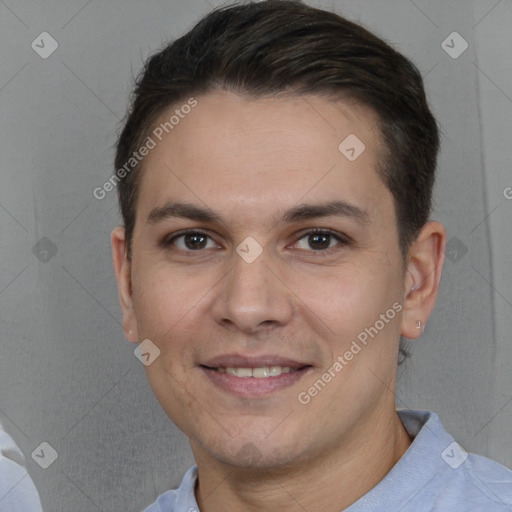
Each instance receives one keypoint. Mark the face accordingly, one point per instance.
(260, 246)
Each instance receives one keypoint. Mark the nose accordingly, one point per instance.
(253, 296)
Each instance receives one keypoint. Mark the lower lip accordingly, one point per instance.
(252, 386)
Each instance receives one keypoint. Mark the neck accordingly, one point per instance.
(328, 483)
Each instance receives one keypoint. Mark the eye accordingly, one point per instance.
(321, 240)
(189, 240)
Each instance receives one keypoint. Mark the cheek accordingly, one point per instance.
(346, 300)
(161, 299)
(340, 293)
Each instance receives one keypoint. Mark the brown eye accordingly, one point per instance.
(321, 240)
(189, 241)
(194, 241)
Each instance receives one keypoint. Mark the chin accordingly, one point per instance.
(248, 452)
(254, 457)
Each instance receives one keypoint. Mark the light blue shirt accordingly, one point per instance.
(434, 475)
(17, 491)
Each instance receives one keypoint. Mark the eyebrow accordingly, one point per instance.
(300, 212)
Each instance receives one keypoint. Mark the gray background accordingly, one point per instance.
(68, 377)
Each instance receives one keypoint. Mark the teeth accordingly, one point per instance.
(277, 370)
(259, 373)
(240, 372)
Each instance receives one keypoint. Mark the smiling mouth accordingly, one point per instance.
(255, 380)
(262, 372)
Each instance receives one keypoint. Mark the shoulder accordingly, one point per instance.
(489, 482)
(440, 475)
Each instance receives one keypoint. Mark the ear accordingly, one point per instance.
(122, 267)
(423, 274)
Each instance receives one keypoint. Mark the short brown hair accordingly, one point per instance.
(283, 46)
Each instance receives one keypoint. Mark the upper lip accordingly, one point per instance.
(241, 361)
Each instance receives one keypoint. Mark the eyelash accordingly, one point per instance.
(343, 240)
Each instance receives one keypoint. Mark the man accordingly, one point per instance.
(275, 176)
(17, 491)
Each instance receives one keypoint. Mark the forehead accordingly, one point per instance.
(236, 153)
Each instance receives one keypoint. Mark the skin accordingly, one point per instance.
(249, 161)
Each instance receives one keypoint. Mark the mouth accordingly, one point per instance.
(261, 372)
(246, 377)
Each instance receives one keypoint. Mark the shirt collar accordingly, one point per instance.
(185, 498)
(411, 474)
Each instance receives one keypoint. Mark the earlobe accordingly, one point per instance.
(422, 279)
(122, 267)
